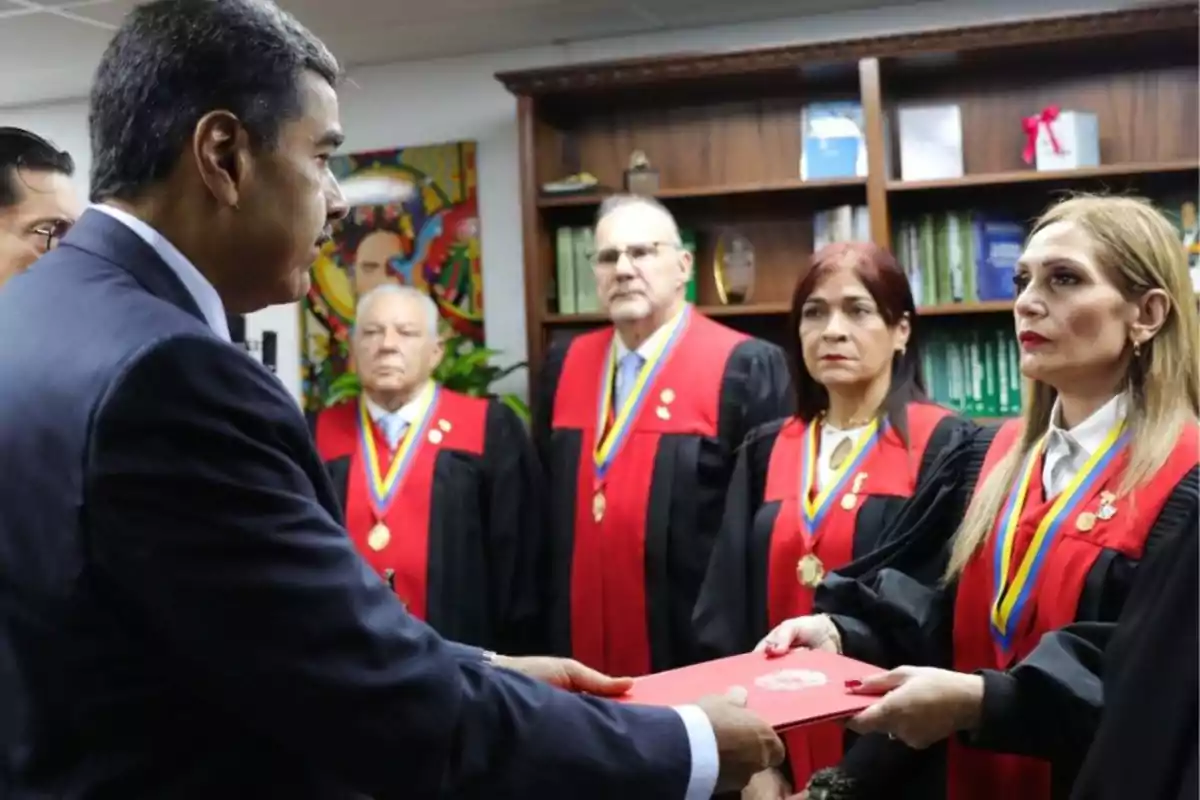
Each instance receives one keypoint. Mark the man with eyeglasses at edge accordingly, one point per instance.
(38, 204)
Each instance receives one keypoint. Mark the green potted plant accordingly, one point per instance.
(466, 368)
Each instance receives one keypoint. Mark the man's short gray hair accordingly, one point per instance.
(617, 201)
(431, 309)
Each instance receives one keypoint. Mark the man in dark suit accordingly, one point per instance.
(181, 613)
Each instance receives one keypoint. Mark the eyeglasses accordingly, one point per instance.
(638, 254)
(50, 233)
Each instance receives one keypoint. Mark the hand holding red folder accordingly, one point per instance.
(802, 687)
(745, 744)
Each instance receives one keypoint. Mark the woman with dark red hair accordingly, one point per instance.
(822, 490)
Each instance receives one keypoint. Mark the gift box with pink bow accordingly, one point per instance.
(1057, 139)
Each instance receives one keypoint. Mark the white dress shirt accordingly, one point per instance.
(198, 287)
(705, 760)
(647, 348)
(1067, 451)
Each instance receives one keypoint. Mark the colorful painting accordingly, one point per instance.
(414, 220)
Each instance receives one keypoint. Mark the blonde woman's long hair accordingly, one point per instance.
(1139, 249)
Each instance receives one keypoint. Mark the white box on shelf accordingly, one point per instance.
(931, 146)
(1077, 136)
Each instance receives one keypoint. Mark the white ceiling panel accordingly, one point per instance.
(107, 13)
(52, 46)
(390, 37)
(33, 44)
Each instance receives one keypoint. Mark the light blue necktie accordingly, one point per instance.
(627, 372)
(393, 426)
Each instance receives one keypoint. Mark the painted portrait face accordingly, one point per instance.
(371, 260)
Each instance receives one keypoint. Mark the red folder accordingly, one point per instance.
(803, 687)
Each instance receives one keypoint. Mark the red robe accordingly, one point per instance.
(756, 579)
(624, 582)
(1053, 593)
(464, 513)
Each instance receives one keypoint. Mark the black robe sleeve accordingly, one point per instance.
(515, 532)
(891, 607)
(1146, 744)
(757, 389)
(723, 618)
(1049, 704)
(542, 399)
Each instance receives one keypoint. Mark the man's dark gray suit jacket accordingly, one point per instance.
(181, 613)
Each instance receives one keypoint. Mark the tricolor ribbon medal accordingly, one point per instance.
(1013, 589)
(609, 444)
(814, 509)
(382, 485)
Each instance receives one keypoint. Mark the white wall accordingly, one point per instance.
(436, 101)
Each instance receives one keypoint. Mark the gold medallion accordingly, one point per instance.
(810, 571)
(859, 480)
(663, 412)
(1085, 521)
(841, 453)
(598, 506)
(379, 537)
(444, 424)
(435, 436)
(849, 499)
(667, 396)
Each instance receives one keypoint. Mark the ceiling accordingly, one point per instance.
(54, 45)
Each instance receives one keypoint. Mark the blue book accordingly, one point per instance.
(832, 141)
(997, 246)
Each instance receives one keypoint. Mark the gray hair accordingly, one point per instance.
(431, 309)
(617, 201)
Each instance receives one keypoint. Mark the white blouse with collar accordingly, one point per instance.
(1067, 451)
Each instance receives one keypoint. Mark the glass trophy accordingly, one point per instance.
(733, 268)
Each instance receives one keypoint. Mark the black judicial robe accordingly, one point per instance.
(1083, 569)
(766, 561)
(629, 542)
(1147, 744)
(1143, 672)
(462, 515)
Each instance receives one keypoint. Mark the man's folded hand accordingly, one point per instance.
(745, 744)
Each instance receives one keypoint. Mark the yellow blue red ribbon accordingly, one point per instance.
(608, 445)
(1011, 598)
(382, 486)
(814, 509)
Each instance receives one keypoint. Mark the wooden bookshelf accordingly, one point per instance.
(723, 130)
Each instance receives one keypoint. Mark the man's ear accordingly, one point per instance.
(221, 148)
(687, 264)
(439, 352)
